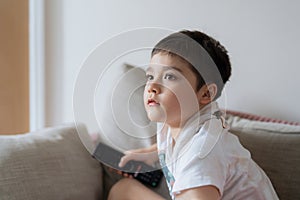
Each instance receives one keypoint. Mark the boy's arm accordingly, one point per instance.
(147, 155)
(201, 193)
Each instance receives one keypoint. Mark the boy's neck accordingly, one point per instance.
(175, 129)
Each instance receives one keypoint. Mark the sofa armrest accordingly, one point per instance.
(49, 164)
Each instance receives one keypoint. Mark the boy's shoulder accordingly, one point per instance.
(201, 143)
(208, 136)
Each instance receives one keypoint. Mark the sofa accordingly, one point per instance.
(54, 163)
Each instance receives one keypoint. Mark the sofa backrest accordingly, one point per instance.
(275, 147)
(122, 119)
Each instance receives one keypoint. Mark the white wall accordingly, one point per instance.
(261, 37)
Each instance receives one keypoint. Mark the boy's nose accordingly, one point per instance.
(153, 88)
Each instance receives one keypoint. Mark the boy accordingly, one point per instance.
(199, 157)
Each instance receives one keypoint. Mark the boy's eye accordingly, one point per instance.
(149, 77)
(170, 77)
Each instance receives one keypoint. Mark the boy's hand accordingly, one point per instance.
(124, 174)
(146, 155)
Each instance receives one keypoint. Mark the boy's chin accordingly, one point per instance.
(154, 117)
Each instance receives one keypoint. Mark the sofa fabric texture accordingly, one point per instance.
(48, 164)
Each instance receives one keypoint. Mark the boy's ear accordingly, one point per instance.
(207, 93)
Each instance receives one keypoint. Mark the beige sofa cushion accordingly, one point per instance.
(276, 148)
(48, 164)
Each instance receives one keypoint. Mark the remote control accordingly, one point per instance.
(144, 173)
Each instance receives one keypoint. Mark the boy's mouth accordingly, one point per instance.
(152, 102)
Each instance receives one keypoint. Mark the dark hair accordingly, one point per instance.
(198, 49)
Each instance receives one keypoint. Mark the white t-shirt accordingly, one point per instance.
(205, 153)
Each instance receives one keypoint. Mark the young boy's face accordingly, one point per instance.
(170, 94)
